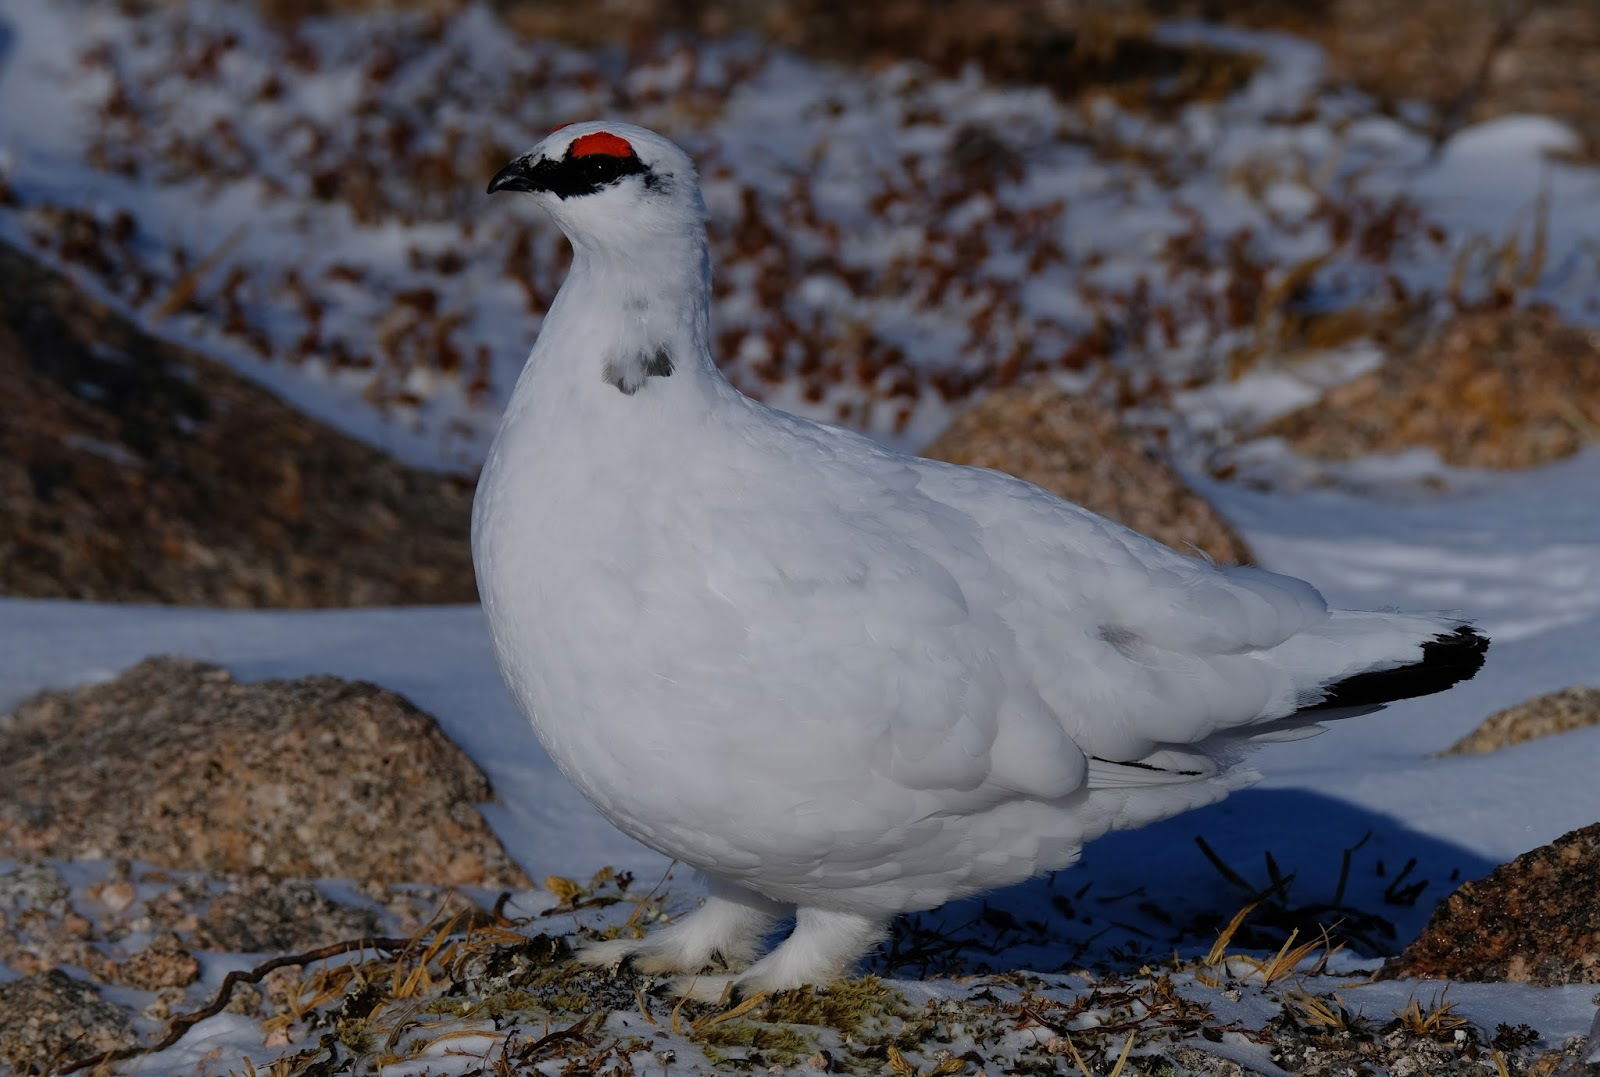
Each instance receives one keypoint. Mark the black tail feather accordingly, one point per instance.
(1447, 660)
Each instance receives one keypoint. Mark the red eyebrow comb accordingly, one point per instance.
(601, 142)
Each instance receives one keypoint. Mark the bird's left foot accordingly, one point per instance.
(821, 949)
(615, 954)
(714, 989)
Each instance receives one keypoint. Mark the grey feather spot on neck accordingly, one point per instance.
(629, 375)
(659, 365)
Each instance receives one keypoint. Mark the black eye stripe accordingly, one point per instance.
(600, 168)
(572, 176)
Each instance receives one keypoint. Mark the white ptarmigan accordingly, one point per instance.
(833, 678)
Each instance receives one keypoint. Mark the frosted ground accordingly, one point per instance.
(1091, 227)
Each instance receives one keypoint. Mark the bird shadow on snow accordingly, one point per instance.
(1309, 861)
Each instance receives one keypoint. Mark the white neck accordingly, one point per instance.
(621, 314)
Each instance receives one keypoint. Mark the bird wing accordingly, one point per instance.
(865, 603)
(998, 640)
(1134, 645)
(1154, 659)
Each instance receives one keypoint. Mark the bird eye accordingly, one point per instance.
(587, 169)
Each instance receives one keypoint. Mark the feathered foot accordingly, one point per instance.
(725, 931)
(823, 947)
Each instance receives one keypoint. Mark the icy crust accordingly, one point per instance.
(305, 202)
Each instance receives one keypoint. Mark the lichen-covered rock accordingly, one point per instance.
(50, 1019)
(1534, 920)
(1542, 716)
(265, 915)
(1496, 389)
(176, 763)
(1079, 449)
(164, 963)
(40, 929)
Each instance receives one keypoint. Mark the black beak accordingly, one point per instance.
(520, 175)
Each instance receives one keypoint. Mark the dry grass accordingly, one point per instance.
(1084, 1068)
(1322, 1012)
(1467, 59)
(1219, 965)
(1502, 274)
(400, 999)
(1076, 50)
(1434, 1020)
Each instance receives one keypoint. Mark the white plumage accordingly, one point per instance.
(831, 676)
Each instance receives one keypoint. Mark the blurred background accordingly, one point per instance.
(257, 318)
(1314, 284)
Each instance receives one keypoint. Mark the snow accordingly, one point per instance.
(1263, 395)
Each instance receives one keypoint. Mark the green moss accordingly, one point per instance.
(498, 1004)
(776, 1043)
(354, 1035)
(776, 1030)
(354, 1015)
(846, 1006)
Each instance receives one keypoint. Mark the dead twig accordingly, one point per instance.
(186, 286)
(1222, 866)
(1455, 115)
(579, 1030)
(1344, 868)
(180, 1025)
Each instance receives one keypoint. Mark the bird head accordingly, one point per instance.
(608, 184)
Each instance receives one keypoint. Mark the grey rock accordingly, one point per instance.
(176, 763)
(51, 1019)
